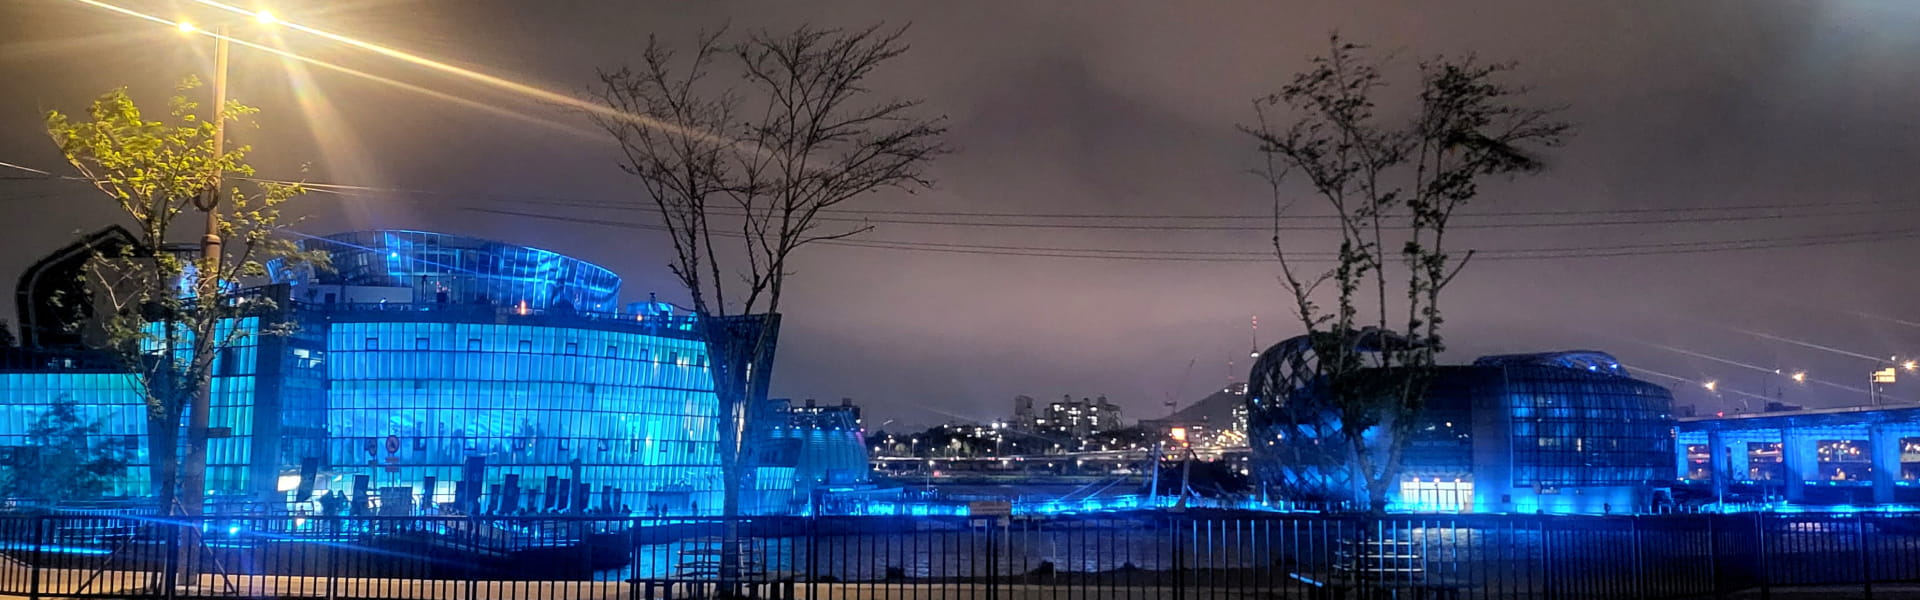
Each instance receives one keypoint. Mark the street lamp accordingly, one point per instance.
(193, 477)
(1799, 376)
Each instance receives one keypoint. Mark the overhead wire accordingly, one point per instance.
(1694, 247)
(1900, 207)
(1172, 255)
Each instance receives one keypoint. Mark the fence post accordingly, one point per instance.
(633, 557)
(334, 532)
(813, 555)
(1546, 559)
(1713, 555)
(39, 537)
(1639, 557)
(172, 579)
(1866, 566)
(1179, 562)
(473, 570)
(993, 564)
(1760, 548)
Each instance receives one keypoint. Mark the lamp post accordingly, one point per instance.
(193, 473)
(191, 495)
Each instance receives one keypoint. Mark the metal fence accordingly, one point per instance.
(1198, 555)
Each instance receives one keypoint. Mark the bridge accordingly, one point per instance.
(1089, 462)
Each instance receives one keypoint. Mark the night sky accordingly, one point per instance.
(1111, 108)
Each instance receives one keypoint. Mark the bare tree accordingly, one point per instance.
(1393, 187)
(741, 175)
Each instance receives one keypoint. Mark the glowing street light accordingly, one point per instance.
(1799, 376)
(1910, 365)
(264, 17)
(186, 27)
(1712, 386)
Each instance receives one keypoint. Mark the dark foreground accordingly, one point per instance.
(1118, 555)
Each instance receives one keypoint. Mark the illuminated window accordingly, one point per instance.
(1844, 460)
(1764, 461)
(420, 343)
(1910, 459)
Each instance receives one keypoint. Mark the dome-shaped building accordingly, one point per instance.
(1553, 432)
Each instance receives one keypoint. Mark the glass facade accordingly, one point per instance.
(1581, 428)
(510, 364)
(631, 410)
(451, 269)
(236, 385)
(112, 399)
(1534, 422)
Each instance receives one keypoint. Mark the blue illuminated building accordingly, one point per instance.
(1817, 457)
(1563, 432)
(32, 381)
(474, 374)
(820, 449)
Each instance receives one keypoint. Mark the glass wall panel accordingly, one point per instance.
(528, 403)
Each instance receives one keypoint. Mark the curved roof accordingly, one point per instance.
(460, 269)
(1585, 360)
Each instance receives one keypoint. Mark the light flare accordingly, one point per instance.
(1766, 336)
(492, 80)
(438, 95)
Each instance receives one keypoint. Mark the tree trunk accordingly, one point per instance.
(740, 357)
(193, 467)
(163, 448)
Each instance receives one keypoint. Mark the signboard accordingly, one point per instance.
(990, 508)
(1887, 375)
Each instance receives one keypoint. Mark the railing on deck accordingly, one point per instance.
(1196, 554)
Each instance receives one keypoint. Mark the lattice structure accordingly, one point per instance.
(1298, 454)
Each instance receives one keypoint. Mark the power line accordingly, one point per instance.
(1901, 207)
(634, 206)
(1666, 248)
(1669, 248)
(614, 205)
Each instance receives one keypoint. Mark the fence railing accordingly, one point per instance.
(1143, 555)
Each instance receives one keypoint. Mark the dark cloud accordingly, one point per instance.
(1112, 107)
